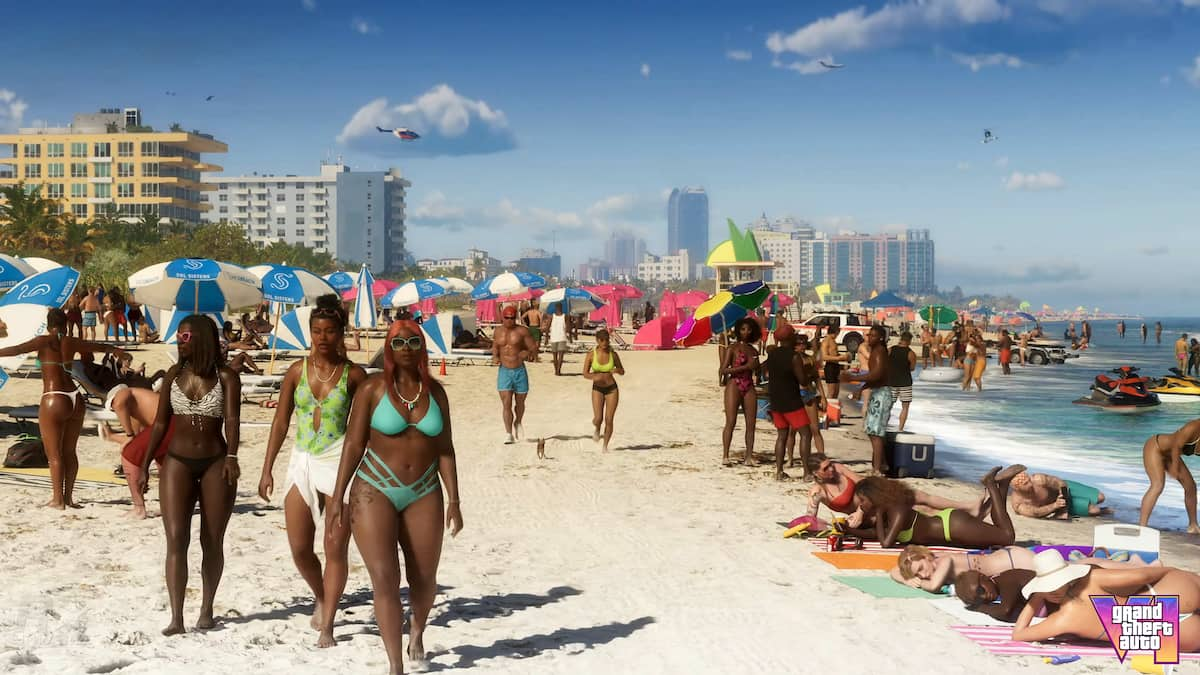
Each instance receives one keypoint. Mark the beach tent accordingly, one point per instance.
(656, 334)
(884, 300)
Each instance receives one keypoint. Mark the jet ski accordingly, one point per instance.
(1175, 388)
(1125, 393)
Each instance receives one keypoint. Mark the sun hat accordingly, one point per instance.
(1052, 572)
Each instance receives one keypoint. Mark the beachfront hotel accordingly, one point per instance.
(110, 158)
(355, 216)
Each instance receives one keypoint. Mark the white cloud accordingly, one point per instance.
(999, 279)
(1154, 250)
(645, 70)
(449, 124)
(963, 166)
(612, 213)
(856, 29)
(738, 55)
(1033, 182)
(812, 67)
(1001, 161)
(1190, 3)
(977, 62)
(309, 5)
(1192, 73)
(362, 26)
(837, 223)
(12, 110)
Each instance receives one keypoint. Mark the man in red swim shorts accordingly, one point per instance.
(1005, 345)
(785, 371)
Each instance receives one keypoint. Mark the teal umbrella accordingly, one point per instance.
(939, 315)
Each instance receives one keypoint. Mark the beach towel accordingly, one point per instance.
(822, 544)
(89, 477)
(859, 560)
(955, 608)
(882, 587)
(998, 640)
(1091, 551)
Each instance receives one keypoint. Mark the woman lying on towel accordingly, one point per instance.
(835, 484)
(1071, 587)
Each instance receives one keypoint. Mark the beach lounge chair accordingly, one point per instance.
(1122, 537)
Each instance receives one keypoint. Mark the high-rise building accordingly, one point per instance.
(540, 261)
(687, 226)
(108, 160)
(665, 267)
(918, 263)
(595, 271)
(862, 263)
(785, 242)
(355, 216)
(624, 250)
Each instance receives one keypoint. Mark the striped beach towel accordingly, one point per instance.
(998, 640)
(822, 544)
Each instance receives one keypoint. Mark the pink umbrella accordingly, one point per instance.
(485, 311)
(378, 289)
(690, 299)
(784, 299)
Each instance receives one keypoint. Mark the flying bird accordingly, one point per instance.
(831, 65)
(988, 136)
(400, 132)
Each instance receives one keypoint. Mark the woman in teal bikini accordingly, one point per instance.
(398, 446)
(320, 389)
(60, 412)
(605, 395)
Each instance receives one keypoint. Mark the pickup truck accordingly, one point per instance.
(850, 329)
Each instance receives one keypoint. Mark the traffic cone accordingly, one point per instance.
(442, 369)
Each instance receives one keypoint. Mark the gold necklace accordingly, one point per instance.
(317, 370)
(411, 405)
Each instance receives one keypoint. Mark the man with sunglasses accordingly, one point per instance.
(512, 346)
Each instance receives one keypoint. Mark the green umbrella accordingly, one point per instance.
(1024, 306)
(939, 314)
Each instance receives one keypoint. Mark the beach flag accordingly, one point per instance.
(823, 292)
(974, 303)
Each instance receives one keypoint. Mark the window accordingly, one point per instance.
(150, 148)
(78, 190)
(299, 186)
(125, 149)
(125, 169)
(125, 190)
(103, 190)
(281, 186)
(281, 233)
(299, 208)
(299, 221)
(54, 149)
(149, 169)
(54, 191)
(368, 206)
(78, 169)
(222, 197)
(261, 221)
(319, 221)
(223, 209)
(300, 233)
(368, 219)
(79, 149)
(223, 186)
(80, 210)
(242, 186)
(150, 189)
(33, 170)
(281, 197)
(104, 171)
(281, 221)
(101, 150)
(54, 170)
(318, 209)
(260, 209)
(33, 150)
(262, 186)
(243, 209)
(368, 231)
(320, 186)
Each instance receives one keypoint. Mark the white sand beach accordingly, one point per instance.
(649, 559)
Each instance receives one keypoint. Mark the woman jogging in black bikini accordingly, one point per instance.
(737, 371)
(61, 410)
(601, 366)
(203, 397)
(1163, 454)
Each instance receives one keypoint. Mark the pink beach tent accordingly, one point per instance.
(656, 334)
(379, 289)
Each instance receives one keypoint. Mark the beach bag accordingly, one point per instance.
(27, 453)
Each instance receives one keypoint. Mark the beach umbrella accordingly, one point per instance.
(750, 295)
(47, 289)
(718, 314)
(454, 285)
(938, 314)
(778, 301)
(291, 285)
(575, 299)
(690, 299)
(507, 283)
(1026, 316)
(198, 283)
(341, 281)
(413, 292)
(25, 322)
(525, 295)
(365, 314)
(13, 270)
(1024, 306)
(292, 330)
(41, 264)
(886, 299)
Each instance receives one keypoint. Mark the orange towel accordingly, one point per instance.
(860, 560)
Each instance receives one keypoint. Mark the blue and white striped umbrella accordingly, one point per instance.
(13, 270)
(365, 314)
(198, 284)
(170, 335)
(412, 292)
(40, 264)
(507, 283)
(48, 289)
(576, 300)
(454, 285)
(293, 331)
(341, 281)
(25, 322)
(291, 285)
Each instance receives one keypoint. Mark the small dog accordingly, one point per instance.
(541, 448)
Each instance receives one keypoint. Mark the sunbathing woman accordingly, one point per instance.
(61, 409)
(999, 597)
(403, 415)
(202, 397)
(320, 389)
(891, 503)
(835, 484)
(1072, 587)
(605, 395)
(737, 373)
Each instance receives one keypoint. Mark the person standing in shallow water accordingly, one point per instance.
(1158, 332)
(1143, 333)
(1163, 455)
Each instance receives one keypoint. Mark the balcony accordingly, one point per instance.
(100, 179)
(100, 160)
(260, 202)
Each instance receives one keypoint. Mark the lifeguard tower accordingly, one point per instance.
(737, 260)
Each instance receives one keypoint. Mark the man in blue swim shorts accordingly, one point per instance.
(879, 402)
(512, 345)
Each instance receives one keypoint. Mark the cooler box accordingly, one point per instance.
(764, 409)
(909, 455)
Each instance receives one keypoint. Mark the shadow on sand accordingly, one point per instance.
(491, 606)
(534, 645)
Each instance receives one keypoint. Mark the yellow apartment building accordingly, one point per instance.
(107, 158)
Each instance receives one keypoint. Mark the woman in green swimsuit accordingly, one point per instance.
(319, 389)
(891, 502)
(398, 446)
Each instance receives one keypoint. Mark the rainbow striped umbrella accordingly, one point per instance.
(718, 314)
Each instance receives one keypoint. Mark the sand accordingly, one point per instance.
(649, 559)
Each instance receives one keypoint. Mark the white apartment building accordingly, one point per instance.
(664, 267)
(490, 266)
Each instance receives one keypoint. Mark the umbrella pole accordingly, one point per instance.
(196, 284)
(274, 341)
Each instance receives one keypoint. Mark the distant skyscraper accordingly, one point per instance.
(687, 225)
(862, 263)
(624, 250)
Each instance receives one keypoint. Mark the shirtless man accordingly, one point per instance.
(833, 364)
(512, 344)
(1121, 329)
(1158, 332)
(879, 403)
(926, 346)
(533, 319)
(1162, 455)
(1181, 352)
(1039, 495)
(91, 314)
(1143, 333)
(935, 340)
(1005, 346)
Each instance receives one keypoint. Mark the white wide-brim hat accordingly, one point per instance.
(1053, 572)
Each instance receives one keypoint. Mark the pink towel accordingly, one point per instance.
(998, 640)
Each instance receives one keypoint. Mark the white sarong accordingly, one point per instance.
(314, 475)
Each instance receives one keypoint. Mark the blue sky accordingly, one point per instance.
(566, 122)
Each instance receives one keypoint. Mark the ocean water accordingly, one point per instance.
(1029, 418)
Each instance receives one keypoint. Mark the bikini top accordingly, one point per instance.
(334, 409)
(387, 420)
(212, 404)
(845, 500)
(598, 367)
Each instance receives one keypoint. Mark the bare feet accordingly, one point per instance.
(416, 652)
(596, 434)
(781, 476)
(604, 448)
(979, 508)
(749, 459)
(541, 448)
(176, 628)
(315, 621)
(1008, 474)
(206, 619)
(136, 514)
(71, 503)
(1193, 529)
(518, 431)
(326, 640)
(990, 475)
(56, 505)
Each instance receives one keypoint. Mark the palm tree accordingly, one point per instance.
(24, 216)
(75, 242)
(478, 268)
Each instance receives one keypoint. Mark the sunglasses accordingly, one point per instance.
(184, 337)
(410, 343)
(510, 318)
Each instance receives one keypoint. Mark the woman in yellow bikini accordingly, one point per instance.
(601, 366)
(1162, 455)
(61, 410)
